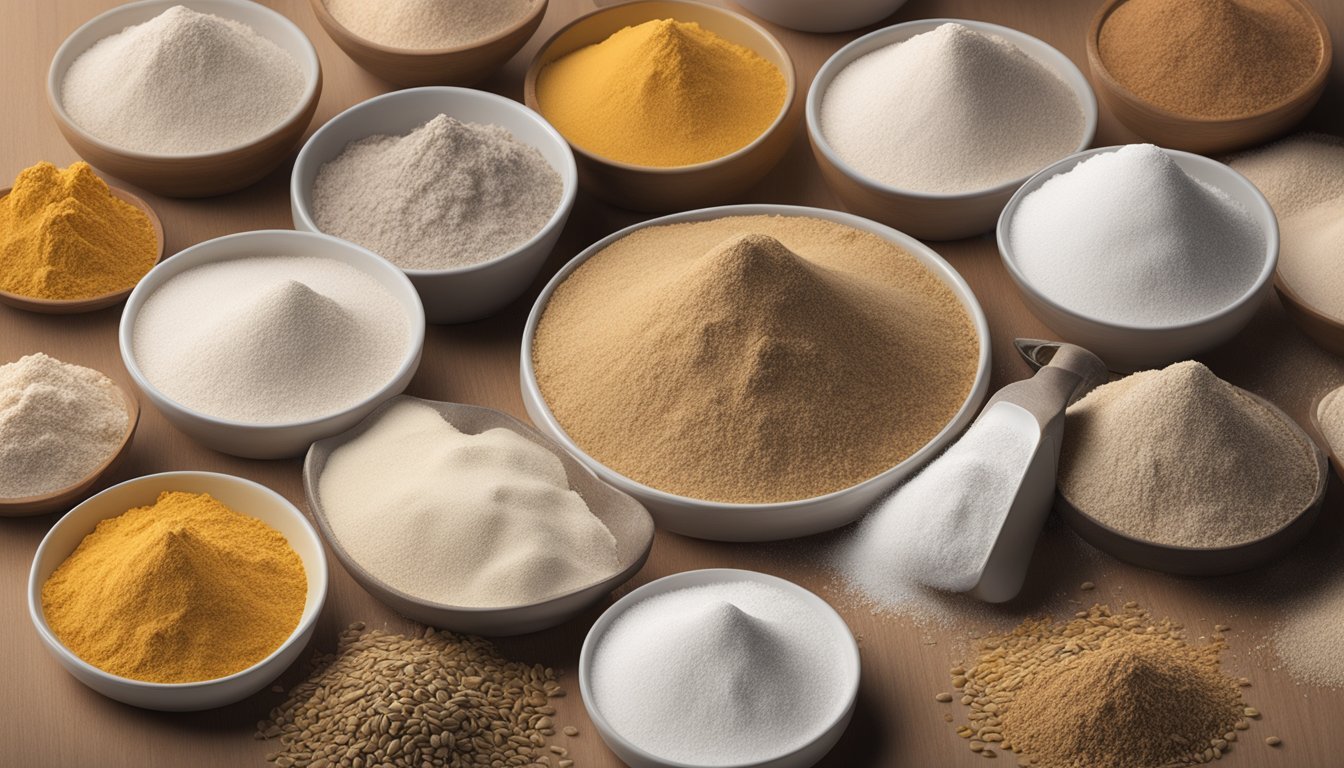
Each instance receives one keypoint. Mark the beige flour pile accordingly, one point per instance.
(1309, 642)
(753, 359)
(1181, 457)
(1303, 179)
(429, 24)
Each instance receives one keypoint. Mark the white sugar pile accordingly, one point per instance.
(448, 194)
(482, 521)
(428, 24)
(270, 339)
(721, 674)
(58, 423)
(1129, 237)
(937, 530)
(948, 111)
(180, 83)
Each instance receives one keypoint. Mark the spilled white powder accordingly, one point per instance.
(182, 82)
(948, 111)
(270, 339)
(938, 529)
(429, 23)
(1129, 237)
(720, 674)
(482, 521)
(58, 423)
(447, 194)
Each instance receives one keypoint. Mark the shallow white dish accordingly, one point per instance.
(628, 522)
(724, 521)
(242, 496)
(631, 755)
(460, 294)
(926, 215)
(814, 16)
(1132, 347)
(272, 441)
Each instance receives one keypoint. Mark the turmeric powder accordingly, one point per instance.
(64, 235)
(182, 591)
(663, 93)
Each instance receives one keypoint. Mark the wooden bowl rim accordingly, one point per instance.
(71, 306)
(790, 90)
(1322, 482)
(132, 421)
(329, 21)
(298, 117)
(1294, 298)
(1312, 84)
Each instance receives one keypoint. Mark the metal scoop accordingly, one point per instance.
(1064, 373)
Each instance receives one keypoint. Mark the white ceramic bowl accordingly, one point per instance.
(724, 521)
(814, 16)
(628, 522)
(927, 215)
(272, 441)
(242, 496)
(805, 756)
(464, 293)
(1135, 347)
(201, 173)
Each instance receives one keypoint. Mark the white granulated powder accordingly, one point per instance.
(429, 23)
(1129, 237)
(448, 194)
(721, 674)
(270, 339)
(180, 83)
(58, 423)
(949, 111)
(938, 529)
(482, 521)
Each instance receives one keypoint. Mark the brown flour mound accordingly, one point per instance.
(1210, 58)
(753, 359)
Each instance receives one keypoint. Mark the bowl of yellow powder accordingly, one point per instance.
(70, 243)
(668, 105)
(178, 591)
(755, 372)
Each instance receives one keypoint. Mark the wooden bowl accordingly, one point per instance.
(75, 306)
(1326, 331)
(67, 497)
(1318, 432)
(931, 215)
(199, 174)
(461, 65)
(627, 520)
(1207, 135)
(662, 190)
(1204, 561)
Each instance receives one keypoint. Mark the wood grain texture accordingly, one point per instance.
(51, 720)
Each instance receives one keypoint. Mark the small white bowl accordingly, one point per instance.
(273, 441)
(1125, 347)
(723, 521)
(460, 294)
(812, 16)
(929, 215)
(628, 522)
(197, 174)
(803, 757)
(242, 496)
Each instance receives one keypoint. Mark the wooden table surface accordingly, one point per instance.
(52, 720)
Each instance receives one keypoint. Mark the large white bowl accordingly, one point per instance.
(273, 441)
(460, 294)
(242, 496)
(723, 521)
(196, 174)
(929, 215)
(814, 16)
(803, 757)
(1134, 347)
